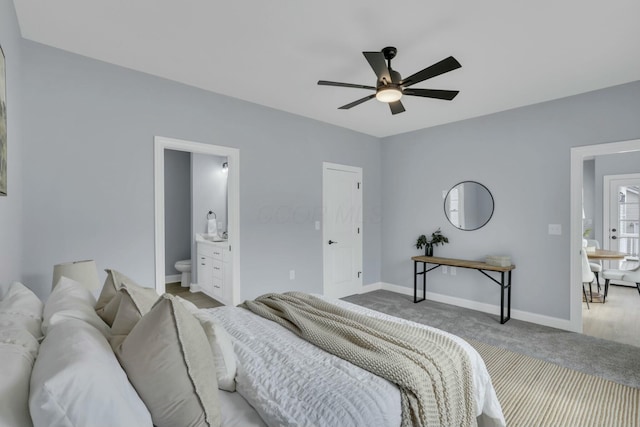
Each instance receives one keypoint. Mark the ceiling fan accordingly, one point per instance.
(390, 87)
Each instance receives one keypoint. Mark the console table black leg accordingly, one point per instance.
(424, 281)
(502, 297)
(415, 281)
(509, 298)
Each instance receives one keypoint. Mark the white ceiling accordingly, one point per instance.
(513, 52)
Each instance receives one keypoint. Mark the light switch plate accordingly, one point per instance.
(555, 229)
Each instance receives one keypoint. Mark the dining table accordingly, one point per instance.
(604, 254)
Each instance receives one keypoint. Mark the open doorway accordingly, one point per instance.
(231, 216)
(578, 157)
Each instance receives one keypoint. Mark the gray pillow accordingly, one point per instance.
(168, 360)
(109, 300)
(112, 283)
(132, 303)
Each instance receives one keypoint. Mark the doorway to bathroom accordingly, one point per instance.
(209, 174)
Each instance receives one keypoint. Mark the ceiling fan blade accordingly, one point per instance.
(444, 66)
(379, 65)
(358, 102)
(327, 83)
(396, 107)
(432, 93)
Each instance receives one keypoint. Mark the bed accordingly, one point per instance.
(131, 358)
(261, 345)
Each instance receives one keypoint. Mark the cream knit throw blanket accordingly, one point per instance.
(432, 372)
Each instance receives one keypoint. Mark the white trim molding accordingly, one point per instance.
(371, 287)
(578, 155)
(173, 278)
(526, 316)
(233, 191)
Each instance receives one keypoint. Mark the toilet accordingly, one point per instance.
(184, 267)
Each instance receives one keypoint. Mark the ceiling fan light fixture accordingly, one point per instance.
(389, 94)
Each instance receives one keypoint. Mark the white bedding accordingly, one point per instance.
(236, 412)
(290, 382)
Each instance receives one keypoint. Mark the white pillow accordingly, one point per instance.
(168, 360)
(18, 350)
(77, 382)
(223, 355)
(21, 299)
(71, 300)
(25, 322)
(20, 308)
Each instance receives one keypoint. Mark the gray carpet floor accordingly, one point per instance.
(607, 359)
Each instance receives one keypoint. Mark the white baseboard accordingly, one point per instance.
(371, 287)
(194, 287)
(173, 278)
(526, 316)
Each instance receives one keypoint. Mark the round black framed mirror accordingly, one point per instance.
(469, 205)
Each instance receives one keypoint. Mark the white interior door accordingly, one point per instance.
(342, 229)
(622, 213)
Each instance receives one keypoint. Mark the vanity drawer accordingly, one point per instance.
(212, 251)
(216, 266)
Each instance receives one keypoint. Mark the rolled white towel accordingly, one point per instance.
(212, 227)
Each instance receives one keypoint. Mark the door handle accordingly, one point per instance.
(614, 237)
(331, 242)
(613, 230)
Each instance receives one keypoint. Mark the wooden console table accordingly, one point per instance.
(475, 265)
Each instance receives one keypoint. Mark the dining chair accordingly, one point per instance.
(626, 275)
(596, 266)
(587, 277)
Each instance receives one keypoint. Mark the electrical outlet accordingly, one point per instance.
(444, 269)
(292, 274)
(453, 271)
(555, 229)
(317, 225)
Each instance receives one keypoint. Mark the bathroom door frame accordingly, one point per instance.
(233, 193)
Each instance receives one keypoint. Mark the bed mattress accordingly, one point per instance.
(290, 382)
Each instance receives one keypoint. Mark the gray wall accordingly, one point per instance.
(177, 208)
(523, 157)
(83, 167)
(11, 205)
(209, 189)
(612, 164)
(88, 172)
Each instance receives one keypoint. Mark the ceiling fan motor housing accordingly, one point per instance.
(395, 77)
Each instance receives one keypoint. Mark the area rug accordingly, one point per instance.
(534, 392)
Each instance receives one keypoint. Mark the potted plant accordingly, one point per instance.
(437, 238)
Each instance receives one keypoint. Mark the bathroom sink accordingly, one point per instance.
(212, 238)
